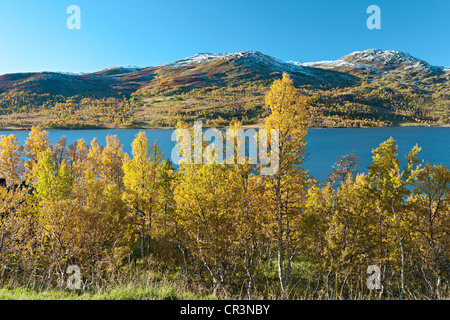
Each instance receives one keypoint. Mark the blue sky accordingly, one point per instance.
(34, 36)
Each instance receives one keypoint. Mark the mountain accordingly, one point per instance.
(221, 70)
(364, 88)
(375, 61)
(58, 83)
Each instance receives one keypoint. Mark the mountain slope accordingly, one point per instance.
(58, 83)
(375, 61)
(365, 88)
(211, 70)
(198, 71)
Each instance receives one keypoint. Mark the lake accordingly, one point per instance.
(323, 145)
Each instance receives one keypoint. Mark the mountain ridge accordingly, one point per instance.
(204, 57)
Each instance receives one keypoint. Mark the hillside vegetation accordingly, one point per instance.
(367, 88)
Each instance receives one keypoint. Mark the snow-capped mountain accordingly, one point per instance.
(340, 65)
(257, 64)
(391, 61)
(123, 68)
(378, 61)
(195, 59)
(251, 59)
(258, 60)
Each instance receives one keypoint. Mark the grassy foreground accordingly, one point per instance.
(128, 292)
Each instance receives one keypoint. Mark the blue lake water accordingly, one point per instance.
(323, 145)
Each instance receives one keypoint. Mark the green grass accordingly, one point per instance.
(415, 124)
(131, 292)
(144, 285)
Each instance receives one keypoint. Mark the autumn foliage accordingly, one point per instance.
(226, 228)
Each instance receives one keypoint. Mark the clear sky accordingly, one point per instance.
(34, 35)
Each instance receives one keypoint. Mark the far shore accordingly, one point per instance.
(250, 126)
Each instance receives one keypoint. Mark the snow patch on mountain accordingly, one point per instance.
(251, 59)
(258, 60)
(67, 78)
(390, 61)
(195, 59)
(335, 65)
(379, 55)
(71, 73)
(60, 76)
(123, 68)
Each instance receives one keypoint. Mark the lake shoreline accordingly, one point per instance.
(252, 126)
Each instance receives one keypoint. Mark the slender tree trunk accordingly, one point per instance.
(280, 243)
(438, 287)
(2, 239)
(382, 278)
(288, 254)
(142, 242)
(402, 251)
(330, 296)
(402, 292)
(438, 280)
